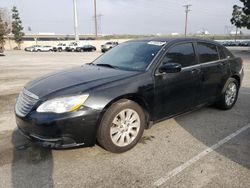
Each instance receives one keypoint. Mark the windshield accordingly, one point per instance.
(135, 55)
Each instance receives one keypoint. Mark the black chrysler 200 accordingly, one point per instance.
(125, 91)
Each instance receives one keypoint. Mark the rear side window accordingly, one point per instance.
(207, 52)
(224, 53)
(182, 54)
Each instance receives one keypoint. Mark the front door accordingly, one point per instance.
(176, 92)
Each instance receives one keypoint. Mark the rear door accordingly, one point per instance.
(176, 92)
(214, 71)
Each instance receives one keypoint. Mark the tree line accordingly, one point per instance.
(13, 26)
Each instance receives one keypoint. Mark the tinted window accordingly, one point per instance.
(207, 52)
(227, 52)
(182, 54)
(222, 53)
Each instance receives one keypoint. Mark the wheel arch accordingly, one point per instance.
(135, 98)
(237, 77)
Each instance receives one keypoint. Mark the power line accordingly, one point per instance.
(186, 20)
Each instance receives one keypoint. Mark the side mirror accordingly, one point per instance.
(170, 68)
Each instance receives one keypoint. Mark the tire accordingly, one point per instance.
(60, 50)
(230, 95)
(117, 137)
(38, 50)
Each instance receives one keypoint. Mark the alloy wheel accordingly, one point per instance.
(231, 93)
(125, 127)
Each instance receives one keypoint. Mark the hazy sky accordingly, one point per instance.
(124, 16)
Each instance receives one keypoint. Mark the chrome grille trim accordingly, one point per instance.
(25, 102)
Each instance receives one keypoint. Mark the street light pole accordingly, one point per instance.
(186, 20)
(96, 34)
(75, 21)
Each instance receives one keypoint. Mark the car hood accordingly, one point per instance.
(87, 77)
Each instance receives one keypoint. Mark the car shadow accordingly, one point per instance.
(210, 125)
(32, 166)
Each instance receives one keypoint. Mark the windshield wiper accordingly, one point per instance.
(91, 63)
(106, 65)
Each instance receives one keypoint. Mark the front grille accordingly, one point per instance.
(25, 102)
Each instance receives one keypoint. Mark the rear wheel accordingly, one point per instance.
(121, 127)
(230, 95)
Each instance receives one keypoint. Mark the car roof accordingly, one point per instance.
(176, 40)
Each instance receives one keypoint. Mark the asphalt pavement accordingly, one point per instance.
(204, 148)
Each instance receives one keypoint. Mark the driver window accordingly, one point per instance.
(182, 54)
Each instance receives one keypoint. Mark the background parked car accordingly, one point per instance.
(236, 43)
(244, 43)
(108, 45)
(86, 48)
(31, 48)
(43, 49)
(72, 46)
(60, 47)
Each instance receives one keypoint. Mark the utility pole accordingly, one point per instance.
(236, 33)
(96, 34)
(187, 11)
(76, 21)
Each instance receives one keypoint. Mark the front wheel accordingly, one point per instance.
(121, 127)
(230, 95)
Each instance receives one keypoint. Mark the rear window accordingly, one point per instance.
(207, 52)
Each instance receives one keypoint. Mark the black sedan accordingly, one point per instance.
(86, 48)
(127, 90)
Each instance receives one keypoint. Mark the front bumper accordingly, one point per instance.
(60, 130)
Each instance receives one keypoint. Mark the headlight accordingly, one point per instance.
(63, 104)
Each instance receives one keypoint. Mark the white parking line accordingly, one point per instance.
(244, 92)
(179, 169)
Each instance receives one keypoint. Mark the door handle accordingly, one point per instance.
(193, 71)
(222, 64)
